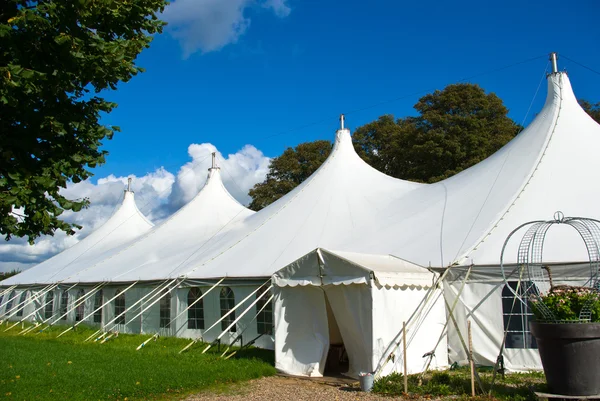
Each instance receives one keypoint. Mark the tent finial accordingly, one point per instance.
(129, 184)
(214, 162)
(553, 59)
(342, 118)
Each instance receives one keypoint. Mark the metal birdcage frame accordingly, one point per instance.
(535, 277)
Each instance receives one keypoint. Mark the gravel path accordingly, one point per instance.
(286, 388)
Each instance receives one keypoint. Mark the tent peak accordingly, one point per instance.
(128, 189)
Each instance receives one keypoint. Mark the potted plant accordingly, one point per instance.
(567, 331)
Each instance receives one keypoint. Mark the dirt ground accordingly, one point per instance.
(290, 388)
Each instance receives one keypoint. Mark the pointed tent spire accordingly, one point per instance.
(342, 120)
(128, 185)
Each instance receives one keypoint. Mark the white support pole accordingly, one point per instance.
(160, 296)
(96, 310)
(79, 302)
(244, 312)
(23, 319)
(59, 301)
(4, 292)
(26, 302)
(182, 312)
(246, 328)
(43, 305)
(34, 297)
(12, 306)
(225, 315)
(404, 358)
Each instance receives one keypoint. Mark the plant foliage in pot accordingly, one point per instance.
(567, 331)
(567, 317)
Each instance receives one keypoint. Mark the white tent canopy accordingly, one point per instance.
(551, 165)
(126, 224)
(172, 243)
(328, 298)
(344, 194)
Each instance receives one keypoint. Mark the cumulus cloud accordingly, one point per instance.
(210, 25)
(158, 194)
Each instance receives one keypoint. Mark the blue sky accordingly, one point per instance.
(248, 78)
(292, 67)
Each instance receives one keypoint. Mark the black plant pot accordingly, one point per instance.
(570, 355)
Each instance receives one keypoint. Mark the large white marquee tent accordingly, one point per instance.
(386, 232)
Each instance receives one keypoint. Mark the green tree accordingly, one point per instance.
(287, 171)
(456, 128)
(56, 57)
(592, 109)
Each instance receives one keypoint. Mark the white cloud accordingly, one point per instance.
(210, 25)
(158, 194)
(279, 7)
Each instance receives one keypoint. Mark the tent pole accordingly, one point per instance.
(55, 313)
(225, 315)
(34, 298)
(239, 336)
(395, 343)
(182, 312)
(151, 294)
(471, 363)
(265, 292)
(450, 313)
(20, 321)
(404, 358)
(142, 310)
(78, 302)
(94, 311)
(7, 290)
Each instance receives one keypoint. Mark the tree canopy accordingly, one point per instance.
(57, 60)
(592, 109)
(287, 171)
(455, 129)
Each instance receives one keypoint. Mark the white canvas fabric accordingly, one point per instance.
(126, 224)
(368, 314)
(343, 194)
(549, 166)
(167, 247)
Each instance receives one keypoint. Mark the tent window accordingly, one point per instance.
(97, 307)
(64, 303)
(11, 300)
(21, 304)
(1, 299)
(517, 316)
(49, 308)
(196, 312)
(165, 309)
(80, 310)
(120, 307)
(264, 319)
(227, 304)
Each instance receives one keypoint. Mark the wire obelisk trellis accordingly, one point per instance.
(535, 278)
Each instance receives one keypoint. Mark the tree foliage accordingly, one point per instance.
(592, 109)
(56, 57)
(287, 171)
(455, 129)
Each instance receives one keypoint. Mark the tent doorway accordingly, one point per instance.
(337, 358)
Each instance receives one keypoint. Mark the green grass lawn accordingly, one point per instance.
(456, 383)
(42, 367)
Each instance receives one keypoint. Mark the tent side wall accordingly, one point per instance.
(485, 301)
(301, 330)
(395, 305)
